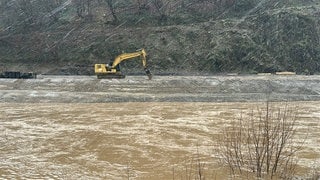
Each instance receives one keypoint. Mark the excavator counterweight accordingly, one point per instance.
(112, 70)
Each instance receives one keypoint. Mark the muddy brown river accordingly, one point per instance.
(84, 128)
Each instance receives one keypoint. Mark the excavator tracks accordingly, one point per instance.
(111, 76)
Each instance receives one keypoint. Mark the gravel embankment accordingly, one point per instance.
(89, 89)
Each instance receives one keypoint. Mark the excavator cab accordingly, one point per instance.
(105, 71)
(109, 67)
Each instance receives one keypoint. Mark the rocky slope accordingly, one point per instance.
(260, 36)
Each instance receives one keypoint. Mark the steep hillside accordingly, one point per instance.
(187, 36)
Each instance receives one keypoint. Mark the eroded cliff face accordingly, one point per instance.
(255, 36)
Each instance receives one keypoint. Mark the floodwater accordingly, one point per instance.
(80, 127)
(130, 140)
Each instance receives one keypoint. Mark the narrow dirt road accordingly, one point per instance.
(84, 89)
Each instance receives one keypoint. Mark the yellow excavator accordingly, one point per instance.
(112, 70)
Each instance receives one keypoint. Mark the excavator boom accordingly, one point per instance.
(126, 56)
(112, 70)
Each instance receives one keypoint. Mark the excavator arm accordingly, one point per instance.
(126, 56)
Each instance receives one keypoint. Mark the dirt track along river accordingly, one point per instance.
(64, 127)
(84, 89)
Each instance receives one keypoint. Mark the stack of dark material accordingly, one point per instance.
(18, 75)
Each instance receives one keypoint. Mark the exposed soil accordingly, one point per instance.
(85, 89)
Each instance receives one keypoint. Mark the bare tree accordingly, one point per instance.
(160, 7)
(27, 11)
(142, 5)
(261, 144)
(110, 4)
(194, 168)
(83, 8)
(26, 14)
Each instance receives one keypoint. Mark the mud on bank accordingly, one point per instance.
(89, 89)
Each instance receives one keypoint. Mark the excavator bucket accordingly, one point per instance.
(148, 73)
